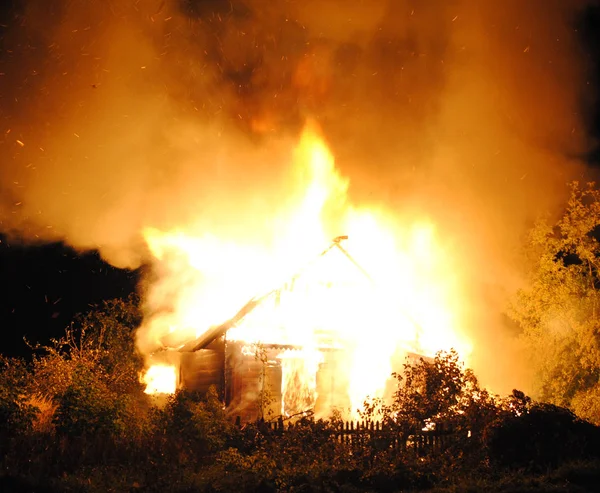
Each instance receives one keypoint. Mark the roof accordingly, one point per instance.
(220, 330)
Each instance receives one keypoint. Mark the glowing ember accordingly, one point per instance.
(160, 379)
(389, 289)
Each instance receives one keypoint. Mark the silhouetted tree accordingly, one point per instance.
(434, 392)
(101, 340)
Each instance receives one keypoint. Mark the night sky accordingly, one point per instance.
(44, 286)
(590, 36)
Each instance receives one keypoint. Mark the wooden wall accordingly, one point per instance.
(332, 379)
(253, 387)
(203, 368)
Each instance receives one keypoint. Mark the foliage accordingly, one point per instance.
(16, 413)
(199, 422)
(542, 436)
(559, 311)
(88, 381)
(434, 393)
(88, 407)
(103, 341)
(76, 420)
(43, 421)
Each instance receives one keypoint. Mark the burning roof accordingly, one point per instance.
(315, 274)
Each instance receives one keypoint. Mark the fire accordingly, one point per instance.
(160, 379)
(389, 289)
(299, 382)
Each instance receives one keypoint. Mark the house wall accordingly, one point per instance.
(253, 384)
(250, 385)
(200, 369)
(332, 385)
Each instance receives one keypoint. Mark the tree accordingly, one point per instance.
(435, 392)
(559, 311)
(91, 374)
(101, 340)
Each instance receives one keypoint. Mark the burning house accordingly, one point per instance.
(285, 352)
(335, 327)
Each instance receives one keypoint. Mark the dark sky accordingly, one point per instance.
(590, 34)
(44, 286)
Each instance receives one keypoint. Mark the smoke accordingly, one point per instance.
(121, 115)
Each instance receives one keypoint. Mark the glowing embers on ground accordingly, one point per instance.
(397, 291)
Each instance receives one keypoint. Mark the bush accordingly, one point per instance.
(16, 413)
(543, 436)
(45, 410)
(194, 426)
(88, 407)
(103, 341)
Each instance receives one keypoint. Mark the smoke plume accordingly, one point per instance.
(121, 115)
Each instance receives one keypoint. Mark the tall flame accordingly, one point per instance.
(388, 290)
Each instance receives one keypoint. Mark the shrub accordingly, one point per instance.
(45, 410)
(87, 407)
(543, 436)
(16, 414)
(194, 425)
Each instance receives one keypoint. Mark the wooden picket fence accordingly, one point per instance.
(361, 433)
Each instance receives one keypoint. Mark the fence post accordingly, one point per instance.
(347, 434)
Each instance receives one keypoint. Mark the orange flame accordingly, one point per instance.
(299, 380)
(160, 379)
(389, 289)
